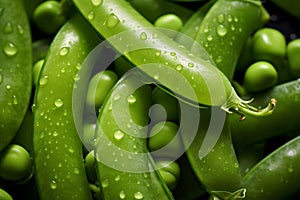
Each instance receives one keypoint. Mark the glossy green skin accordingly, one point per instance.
(99, 86)
(277, 175)
(293, 50)
(153, 9)
(226, 27)
(165, 134)
(268, 44)
(165, 106)
(15, 163)
(4, 195)
(58, 159)
(170, 21)
(170, 172)
(218, 170)
(15, 69)
(208, 86)
(123, 161)
(252, 130)
(260, 76)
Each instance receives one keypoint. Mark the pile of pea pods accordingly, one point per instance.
(149, 99)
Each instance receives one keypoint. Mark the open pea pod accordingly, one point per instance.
(15, 68)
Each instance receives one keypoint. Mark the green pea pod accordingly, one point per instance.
(195, 80)
(216, 166)
(58, 159)
(277, 175)
(152, 9)
(124, 165)
(290, 6)
(226, 27)
(15, 68)
(4, 195)
(253, 130)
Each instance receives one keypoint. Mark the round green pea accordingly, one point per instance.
(164, 140)
(49, 16)
(88, 136)
(4, 195)
(90, 167)
(15, 163)
(268, 44)
(293, 52)
(98, 88)
(259, 76)
(170, 172)
(169, 21)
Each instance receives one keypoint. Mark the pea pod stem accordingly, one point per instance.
(115, 19)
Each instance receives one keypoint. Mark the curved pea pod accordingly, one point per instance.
(124, 165)
(194, 80)
(152, 9)
(277, 175)
(15, 68)
(216, 166)
(290, 6)
(4, 195)
(57, 148)
(226, 27)
(252, 130)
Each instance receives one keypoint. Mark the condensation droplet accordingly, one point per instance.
(131, 99)
(221, 30)
(15, 100)
(116, 97)
(43, 80)
(138, 195)
(122, 195)
(91, 15)
(219, 59)
(209, 38)
(96, 2)
(58, 103)
(20, 29)
(53, 184)
(117, 178)
(10, 49)
(155, 36)
(105, 183)
(156, 76)
(143, 36)
(221, 18)
(76, 171)
(8, 28)
(64, 51)
(111, 21)
(191, 65)
(118, 135)
(179, 67)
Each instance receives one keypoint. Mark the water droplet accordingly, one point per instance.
(96, 2)
(53, 184)
(105, 183)
(210, 38)
(143, 36)
(221, 18)
(229, 19)
(111, 21)
(117, 178)
(206, 29)
(156, 76)
(191, 65)
(8, 87)
(131, 99)
(8, 28)
(55, 134)
(15, 100)
(91, 15)
(58, 103)
(71, 150)
(155, 36)
(116, 97)
(10, 49)
(118, 135)
(138, 195)
(179, 67)
(76, 171)
(122, 194)
(158, 53)
(219, 59)
(64, 51)
(221, 30)
(43, 80)
(236, 19)
(20, 29)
